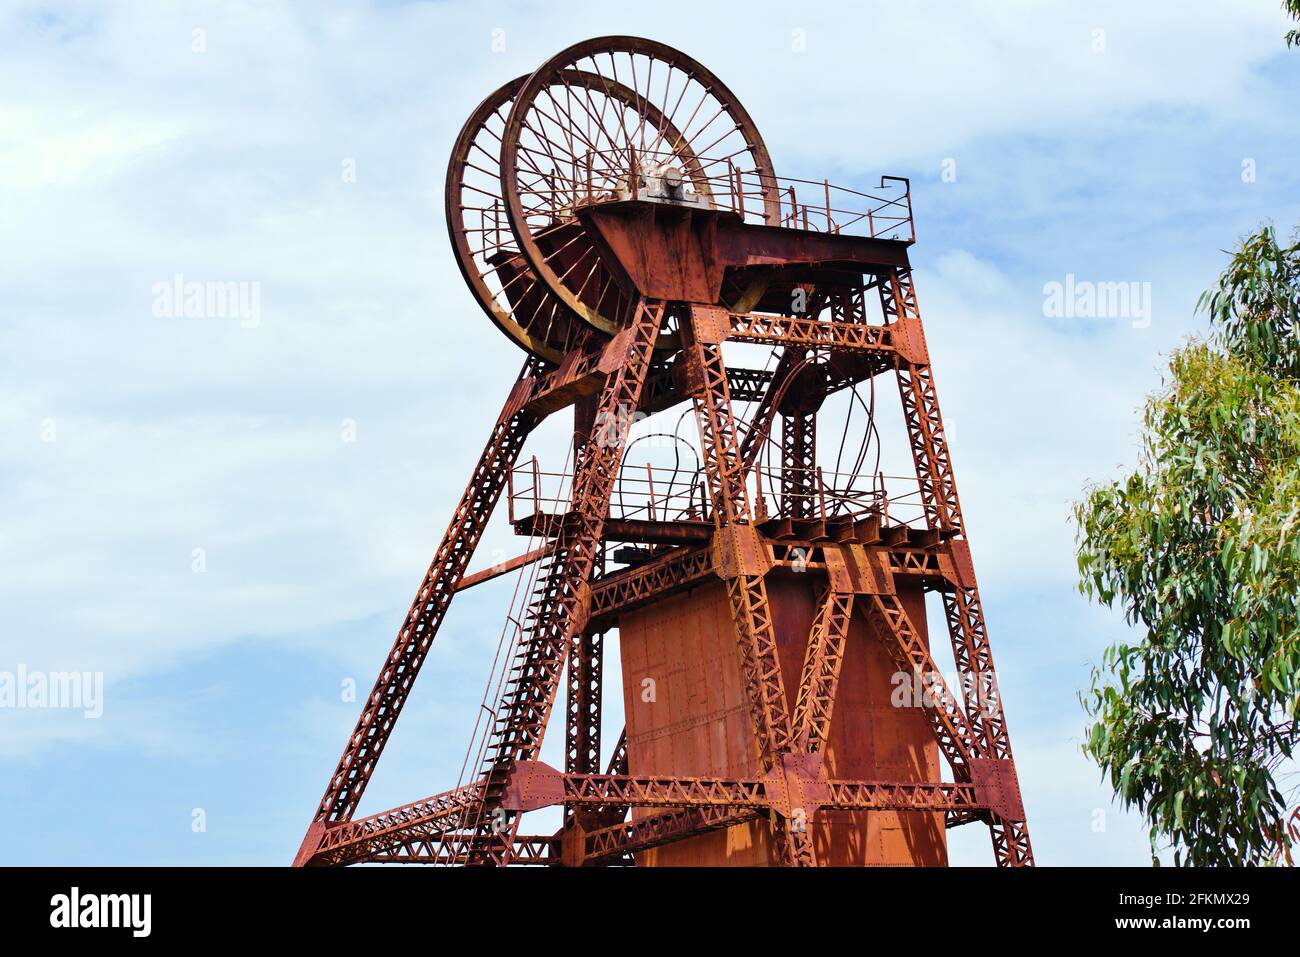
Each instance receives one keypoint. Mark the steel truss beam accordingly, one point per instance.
(536, 785)
(744, 568)
(585, 668)
(618, 760)
(531, 849)
(384, 704)
(582, 724)
(799, 463)
(821, 671)
(760, 423)
(616, 842)
(574, 604)
(663, 389)
(963, 610)
(725, 475)
(350, 842)
(952, 728)
(427, 831)
(559, 608)
(813, 333)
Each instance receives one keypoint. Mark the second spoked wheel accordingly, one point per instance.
(592, 120)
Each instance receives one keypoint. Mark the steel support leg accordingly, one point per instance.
(391, 688)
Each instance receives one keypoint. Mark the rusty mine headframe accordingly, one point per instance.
(617, 215)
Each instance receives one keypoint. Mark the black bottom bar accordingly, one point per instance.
(383, 906)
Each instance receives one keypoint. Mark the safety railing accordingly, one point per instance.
(816, 206)
(826, 208)
(660, 494)
(826, 495)
(641, 492)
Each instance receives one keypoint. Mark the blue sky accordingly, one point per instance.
(128, 441)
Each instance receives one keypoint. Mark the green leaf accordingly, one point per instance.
(1200, 546)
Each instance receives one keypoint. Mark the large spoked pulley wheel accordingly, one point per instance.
(595, 122)
(502, 279)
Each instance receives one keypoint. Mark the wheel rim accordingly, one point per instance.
(580, 123)
(486, 251)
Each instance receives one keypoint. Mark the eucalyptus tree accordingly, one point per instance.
(1195, 719)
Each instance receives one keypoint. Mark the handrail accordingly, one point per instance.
(884, 214)
(659, 494)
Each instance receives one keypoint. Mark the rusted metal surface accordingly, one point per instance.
(589, 153)
(696, 723)
(624, 529)
(421, 626)
(504, 568)
(617, 215)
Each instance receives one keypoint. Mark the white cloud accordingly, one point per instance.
(127, 157)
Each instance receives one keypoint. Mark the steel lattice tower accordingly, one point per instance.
(617, 215)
